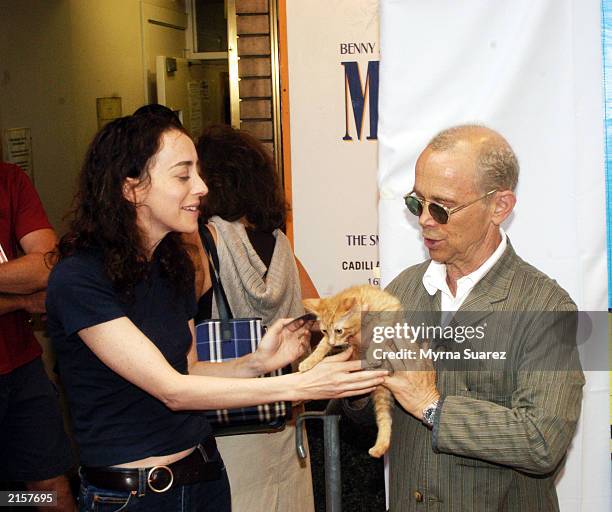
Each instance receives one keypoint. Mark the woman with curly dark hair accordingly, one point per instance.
(246, 212)
(120, 306)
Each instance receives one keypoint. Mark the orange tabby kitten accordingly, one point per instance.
(340, 322)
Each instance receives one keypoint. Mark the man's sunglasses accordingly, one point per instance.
(441, 214)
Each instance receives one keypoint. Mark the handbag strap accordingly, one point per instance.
(225, 312)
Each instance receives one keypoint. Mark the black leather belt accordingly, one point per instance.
(201, 464)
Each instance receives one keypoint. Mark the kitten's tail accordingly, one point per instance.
(383, 405)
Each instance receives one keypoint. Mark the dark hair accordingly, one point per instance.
(155, 109)
(104, 220)
(241, 179)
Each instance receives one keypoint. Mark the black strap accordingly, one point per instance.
(225, 312)
(209, 244)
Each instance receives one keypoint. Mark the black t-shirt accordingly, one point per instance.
(116, 422)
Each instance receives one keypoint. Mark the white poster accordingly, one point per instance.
(17, 144)
(333, 55)
(532, 71)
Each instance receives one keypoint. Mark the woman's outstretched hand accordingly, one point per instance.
(285, 341)
(337, 377)
(334, 377)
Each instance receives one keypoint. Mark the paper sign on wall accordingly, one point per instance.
(17, 148)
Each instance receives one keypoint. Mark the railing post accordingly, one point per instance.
(331, 440)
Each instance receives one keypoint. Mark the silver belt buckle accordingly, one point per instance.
(150, 474)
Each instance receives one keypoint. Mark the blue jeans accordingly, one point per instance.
(208, 496)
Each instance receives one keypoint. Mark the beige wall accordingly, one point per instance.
(56, 58)
(36, 92)
(107, 60)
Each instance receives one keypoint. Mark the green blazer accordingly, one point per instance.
(503, 429)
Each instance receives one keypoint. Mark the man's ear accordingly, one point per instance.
(504, 202)
(129, 189)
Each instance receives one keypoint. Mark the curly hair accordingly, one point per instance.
(241, 179)
(104, 220)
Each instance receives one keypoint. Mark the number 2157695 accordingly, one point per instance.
(25, 498)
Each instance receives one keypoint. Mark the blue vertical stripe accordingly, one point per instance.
(606, 35)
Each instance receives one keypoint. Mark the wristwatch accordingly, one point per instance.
(429, 414)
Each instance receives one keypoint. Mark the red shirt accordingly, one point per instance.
(21, 212)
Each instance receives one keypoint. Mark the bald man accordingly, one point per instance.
(480, 435)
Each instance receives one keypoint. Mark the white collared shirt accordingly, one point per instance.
(434, 278)
(3, 258)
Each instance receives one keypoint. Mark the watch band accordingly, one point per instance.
(429, 414)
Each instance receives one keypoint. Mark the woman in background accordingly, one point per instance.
(120, 306)
(246, 213)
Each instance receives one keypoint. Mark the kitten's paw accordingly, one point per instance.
(378, 450)
(305, 365)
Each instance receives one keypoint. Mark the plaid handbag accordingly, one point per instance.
(228, 338)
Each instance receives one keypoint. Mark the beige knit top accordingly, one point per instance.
(252, 289)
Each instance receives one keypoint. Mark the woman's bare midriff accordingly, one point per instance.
(163, 460)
